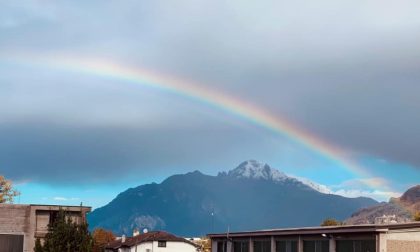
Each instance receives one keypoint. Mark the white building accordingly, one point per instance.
(157, 241)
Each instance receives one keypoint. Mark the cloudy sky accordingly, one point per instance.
(346, 72)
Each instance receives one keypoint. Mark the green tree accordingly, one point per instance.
(38, 246)
(331, 222)
(66, 236)
(7, 193)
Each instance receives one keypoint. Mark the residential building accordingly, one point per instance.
(21, 225)
(204, 243)
(363, 238)
(157, 241)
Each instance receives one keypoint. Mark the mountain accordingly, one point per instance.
(252, 196)
(403, 208)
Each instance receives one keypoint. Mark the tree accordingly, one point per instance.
(7, 193)
(331, 222)
(101, 237)
(417, 216)
(38, 246)
(66, 236)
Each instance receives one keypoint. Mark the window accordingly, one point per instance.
(286, 246)
(11, 243)
(240, 246)
(162, 244)
(262, 246)
(221, 246)
(53, 217)
(356, 246)
(345, 246)
(316, 246)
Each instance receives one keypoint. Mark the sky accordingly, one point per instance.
(345, 73)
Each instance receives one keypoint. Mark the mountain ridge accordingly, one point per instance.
(401, 209)
(196, 204)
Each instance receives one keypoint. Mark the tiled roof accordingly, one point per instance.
(146, 237)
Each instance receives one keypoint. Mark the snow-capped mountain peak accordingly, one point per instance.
(255, 170)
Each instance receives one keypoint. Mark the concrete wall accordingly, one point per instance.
(406, 246)
(15, 219)
(398, 241)
(32, 220)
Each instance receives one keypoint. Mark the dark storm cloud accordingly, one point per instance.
(370, 110)
(347, 71)
(61, 154)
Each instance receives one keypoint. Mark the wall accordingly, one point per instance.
(31, 220)
(170, 247)
(406, 246)
(14, 219)
(407, 241)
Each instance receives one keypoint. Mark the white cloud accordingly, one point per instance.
(59, 198)
(364, 184)
(355, 188)
(375, 194)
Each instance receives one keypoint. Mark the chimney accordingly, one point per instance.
(123, 238)
(136, 232)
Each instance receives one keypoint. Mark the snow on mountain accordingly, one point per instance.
(317, 187)
(253, 169)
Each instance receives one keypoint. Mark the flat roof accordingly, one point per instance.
(52, 205)
(368, 228)
(45, 205)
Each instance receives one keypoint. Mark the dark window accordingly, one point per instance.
(286, 246)
(162, 244)
(316, 246)
(262, 246)
(221, 246)
(368, 246)
(53, 217)
(356, 246)
(240, 246)
(11, 243)
(345, 246)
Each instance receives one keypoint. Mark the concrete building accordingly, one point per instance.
(157, 241)
(363, 238)
(21, 225)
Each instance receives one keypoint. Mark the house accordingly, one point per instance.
(21, 225)
(157, 241)
(363, 238)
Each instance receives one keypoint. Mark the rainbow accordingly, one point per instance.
(232, 105)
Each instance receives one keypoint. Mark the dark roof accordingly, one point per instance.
(48, 205)
(146, 237)
(372, 228)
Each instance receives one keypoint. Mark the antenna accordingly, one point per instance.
(212, 220)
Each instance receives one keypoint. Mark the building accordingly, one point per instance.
(363, 238)
(21, 225)
(204, 243)
(157, 241)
